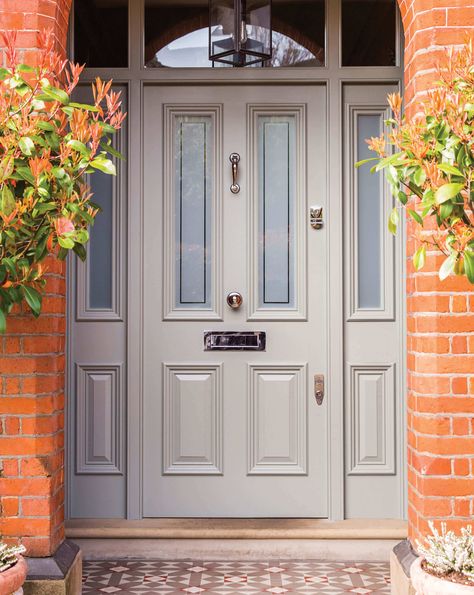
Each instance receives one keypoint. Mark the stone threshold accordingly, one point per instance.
(206, 528)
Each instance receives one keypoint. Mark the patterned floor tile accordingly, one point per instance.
(155, 577)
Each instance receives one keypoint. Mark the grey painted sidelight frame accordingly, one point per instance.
(334, 78)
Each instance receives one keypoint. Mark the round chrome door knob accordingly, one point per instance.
(234, 300)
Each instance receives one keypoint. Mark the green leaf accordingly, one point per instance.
(4, 73)
(3, 322)
(81, 236)
(27, 146)
(449, 169)
(447, 192)
(56, 94)
(43, 125)
(25, 68)
(6, 167)
(393, 221)
(80, 147)
(415, 216)
(419, 176)
(66, 243)
(7, 203)
(363, 161)
(448, 266)
(86, 106)
(402, 197)
(445, 210)
(469, 265)
(80, 251)
(25, 173)
(108, 147)
(33, 299)
(419, 258)
(104, 165)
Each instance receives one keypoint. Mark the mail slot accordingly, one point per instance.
(235, 341)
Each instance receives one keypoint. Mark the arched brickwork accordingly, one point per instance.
(440, 339)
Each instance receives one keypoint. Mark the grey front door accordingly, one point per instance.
(234, 433)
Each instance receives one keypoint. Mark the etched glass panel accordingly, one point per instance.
(192, 212)
(369, 218)
(100, 257)
(277, 180)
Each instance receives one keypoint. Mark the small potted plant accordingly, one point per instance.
(446, 564)
(13, 569)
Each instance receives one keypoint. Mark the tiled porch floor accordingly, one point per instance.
(276, 576)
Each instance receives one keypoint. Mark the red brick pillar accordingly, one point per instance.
(32, 363)
(440, 318)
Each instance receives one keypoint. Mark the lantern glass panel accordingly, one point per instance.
(240, 31)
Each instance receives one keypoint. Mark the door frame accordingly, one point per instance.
(333, 77)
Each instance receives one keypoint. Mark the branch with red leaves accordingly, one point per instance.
(429, 163)
(48, 144)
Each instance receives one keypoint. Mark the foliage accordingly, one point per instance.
(429, 164)
(9, 555)
(48, 144)
(448, 553)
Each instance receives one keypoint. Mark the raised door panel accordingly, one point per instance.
(192, 419)
(277, 420)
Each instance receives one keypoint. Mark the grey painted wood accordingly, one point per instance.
(106, 498)
(97, 363)
(288, 477)
(373, 345)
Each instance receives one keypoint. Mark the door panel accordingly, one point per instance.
(234, 433)
(374, 320)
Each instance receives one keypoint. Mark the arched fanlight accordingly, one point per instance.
(240, 31)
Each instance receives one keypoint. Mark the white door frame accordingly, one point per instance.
(333, 77)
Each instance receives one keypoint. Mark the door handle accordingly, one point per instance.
(319, 388)
(234, 158)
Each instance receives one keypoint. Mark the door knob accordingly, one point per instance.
(234, 300)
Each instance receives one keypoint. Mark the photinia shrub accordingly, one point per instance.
(48, 145)
(429, 163)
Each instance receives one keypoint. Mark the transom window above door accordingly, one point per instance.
(175, 33)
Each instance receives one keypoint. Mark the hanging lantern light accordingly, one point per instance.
(240, 31)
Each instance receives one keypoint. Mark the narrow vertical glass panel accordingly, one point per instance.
(276, 170)
(193, 192)
(101, 33)
(177, 33)
(100, 257)
(369, 218)
(369, 32)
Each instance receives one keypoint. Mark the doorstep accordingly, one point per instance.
(236, 539)
(247, 529)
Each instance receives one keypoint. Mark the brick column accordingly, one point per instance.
(32, 364)
(440, 317)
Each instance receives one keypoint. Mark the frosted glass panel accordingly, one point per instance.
(193, 163)
(276, 170)
(369, 218)
(101, 243)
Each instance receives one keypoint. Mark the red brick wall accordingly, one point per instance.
(32, 363)
(440, 318)
(440, 340)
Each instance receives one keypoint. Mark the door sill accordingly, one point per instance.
(205, 528)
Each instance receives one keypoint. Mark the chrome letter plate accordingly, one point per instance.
(235, 340)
